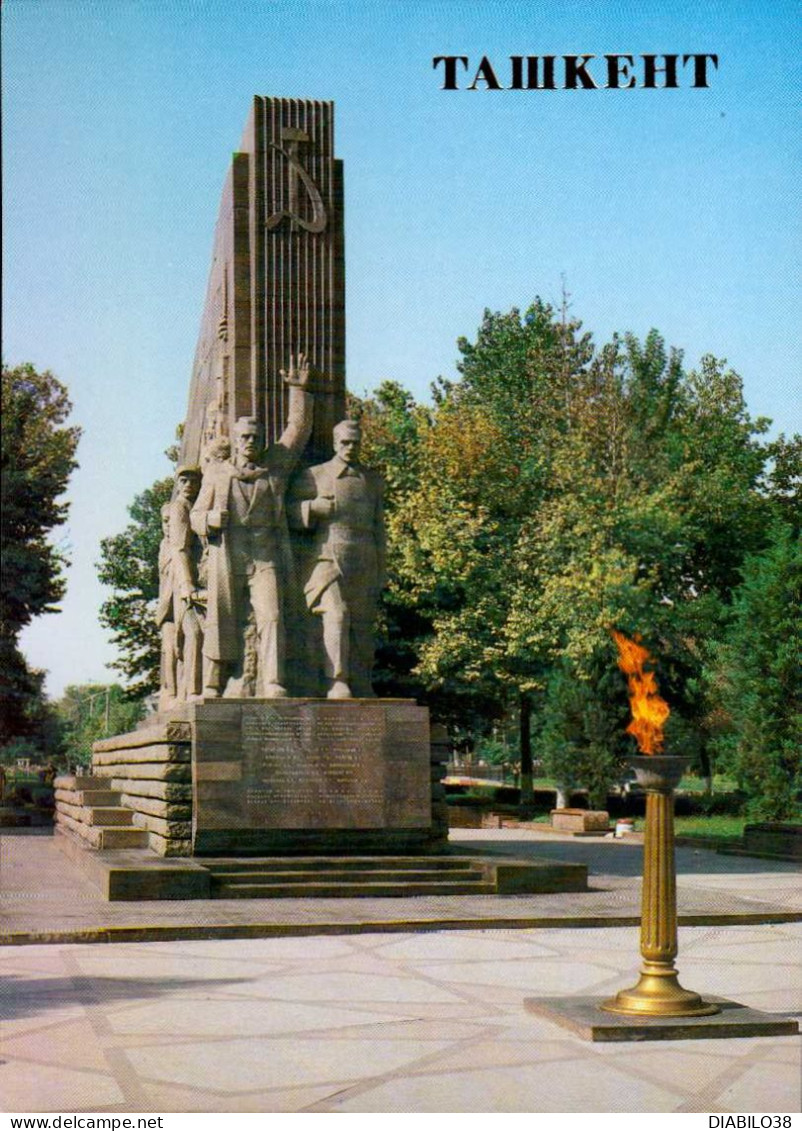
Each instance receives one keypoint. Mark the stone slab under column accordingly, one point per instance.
(584, 1017)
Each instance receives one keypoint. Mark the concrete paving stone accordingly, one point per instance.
(785, 1051)
(502, 999)
(771, 1001)
(169, 1098)
(72, 1042)
(538, 976)
(498, 1051)
(778, 1090)
(37, 1087)
(698, 1064)
(457, 1010)
(476, 946)
(34, 960)
(361, 963)
(351, 987)
(258, 1063)
(202, 1017)
(726, 1049)
(735, 979)
(143, 962)
(613, 961)
(414, 1021)
(415, 1028)
(298, 949)
(580, 1087)
(766, 952)
(38, 1015)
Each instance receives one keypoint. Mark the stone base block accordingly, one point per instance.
(770, 839)
(580, 820)
(314, 776)
(136, 874)
(584, 1016)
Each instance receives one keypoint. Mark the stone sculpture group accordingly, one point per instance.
(229, 571)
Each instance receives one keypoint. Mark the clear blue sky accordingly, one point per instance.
(673, 209)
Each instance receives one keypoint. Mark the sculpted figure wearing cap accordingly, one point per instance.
(340, 503)
(179, 612)
(240, 513)
(188, 597)
(164, 617)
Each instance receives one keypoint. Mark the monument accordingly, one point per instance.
(269, 737)
(269, 740)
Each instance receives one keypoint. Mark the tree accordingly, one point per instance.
(37, 459)
(581, 729)
(392, 429)
(755, 680)
(130, 566)
(563, 490)
(654, 502)
(91, 711)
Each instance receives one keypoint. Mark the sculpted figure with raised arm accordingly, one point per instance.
(240, 512)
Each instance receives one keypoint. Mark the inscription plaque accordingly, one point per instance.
(310, 765)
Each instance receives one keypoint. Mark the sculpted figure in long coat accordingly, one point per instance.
(340, 503)
(240, 512)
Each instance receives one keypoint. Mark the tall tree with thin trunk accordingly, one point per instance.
(38, 457)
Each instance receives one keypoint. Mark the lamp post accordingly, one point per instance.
(658, 992)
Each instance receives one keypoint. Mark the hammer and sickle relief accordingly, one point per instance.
(298, 176)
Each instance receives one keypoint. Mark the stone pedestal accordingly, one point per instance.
(580, 820)
(311, 775)
(273, 776)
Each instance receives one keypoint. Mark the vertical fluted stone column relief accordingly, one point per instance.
(277, 281)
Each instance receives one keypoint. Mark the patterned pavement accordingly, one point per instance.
(413, 1021)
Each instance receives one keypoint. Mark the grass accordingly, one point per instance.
(721, 784)
(724, 828)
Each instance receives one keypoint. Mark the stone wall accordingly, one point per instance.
(151, 769)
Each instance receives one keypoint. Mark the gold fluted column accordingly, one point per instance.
(658, 992)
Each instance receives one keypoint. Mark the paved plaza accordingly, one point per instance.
(355, 1006)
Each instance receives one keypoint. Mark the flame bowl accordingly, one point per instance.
(661, 772)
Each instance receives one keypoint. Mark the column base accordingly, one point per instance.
(658, 994)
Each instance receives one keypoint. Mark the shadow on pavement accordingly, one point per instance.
(27, 997)
(617, 858)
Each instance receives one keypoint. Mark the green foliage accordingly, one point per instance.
(581, 735)
(92, 711)
(557, 491)
(783, 480)
(37, 459)
(496, 752)
(484, 463)
(130, 566)
(755, 680)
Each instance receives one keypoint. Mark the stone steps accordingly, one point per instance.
(337, 863)
(365, 889)
(103, 836)
(389, 875)
(89, 797)
(90, 811)
(340, 877)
